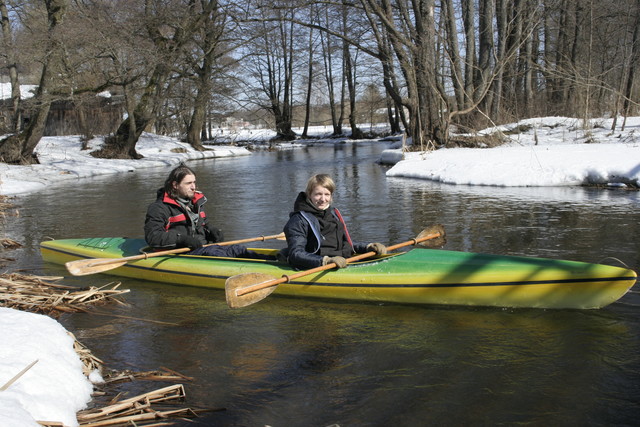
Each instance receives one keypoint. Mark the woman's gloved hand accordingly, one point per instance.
(378, 248)
(339, 261)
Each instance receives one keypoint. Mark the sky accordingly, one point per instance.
(551, 151)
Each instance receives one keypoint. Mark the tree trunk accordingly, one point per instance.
(196, 124)
(393, 99)
(634, 62)
(572, 88)
(343, 102)
(327, 54)
(497, 85)
(122, 145)
(19, 149)
(356, 133)
(453, 51)
(7, 37)
(411, 31)
(429, 127)
(562, 53)
(485, 51)
(212, 32)
(349, 68)
(282, 108)
(307, 103)
(468, 19)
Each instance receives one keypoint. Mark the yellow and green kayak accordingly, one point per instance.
(419, 276)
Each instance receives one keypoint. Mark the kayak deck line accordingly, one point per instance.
(460, 285)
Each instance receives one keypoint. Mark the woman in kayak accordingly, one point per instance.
(177, 220)
(316, 232)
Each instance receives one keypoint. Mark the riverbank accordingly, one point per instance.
(549, 151)
(63, 159)
(46, 375)
(539, 152)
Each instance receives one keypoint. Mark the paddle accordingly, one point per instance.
(245, 289)
(83, 267)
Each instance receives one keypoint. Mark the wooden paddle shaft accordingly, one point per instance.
(288, 277)
(181, 250)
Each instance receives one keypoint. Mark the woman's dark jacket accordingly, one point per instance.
(313, 234)
(167, 221)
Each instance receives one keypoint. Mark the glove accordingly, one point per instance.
(214, 235)
(339, 261)
(378, 248)
(188, 242)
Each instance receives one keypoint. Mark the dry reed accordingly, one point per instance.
(40, 294)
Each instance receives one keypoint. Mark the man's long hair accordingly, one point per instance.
(176, 175)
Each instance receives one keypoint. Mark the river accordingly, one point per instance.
(290, 362)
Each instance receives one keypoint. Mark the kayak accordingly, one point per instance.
(417, 276)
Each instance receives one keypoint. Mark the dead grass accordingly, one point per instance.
(41, 294)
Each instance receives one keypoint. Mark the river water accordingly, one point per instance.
(291, 362)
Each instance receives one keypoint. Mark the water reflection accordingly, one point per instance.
(286, 361)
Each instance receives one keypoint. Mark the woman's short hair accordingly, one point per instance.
(322, 180)
(176, 175)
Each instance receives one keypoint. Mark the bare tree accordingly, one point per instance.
(372, 101)
(441, 63)
(169, 27)
(12, 66)
(410, 26)
(310, 73)
(19, 148)
(328, 55)
(471, 61)
(210, 47)
(270, 64)
(349, 72)
(634, 62)
(453, 53)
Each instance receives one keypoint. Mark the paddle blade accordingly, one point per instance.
(240, 281)
(438, 242)
(83, 267)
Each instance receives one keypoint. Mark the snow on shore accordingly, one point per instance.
(551, 151)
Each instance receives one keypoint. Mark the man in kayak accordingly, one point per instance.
(177, 220)
(316, 232)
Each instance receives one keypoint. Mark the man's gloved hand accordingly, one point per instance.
(341, 262)
(188, 242)
(213, 234)
(378, 248)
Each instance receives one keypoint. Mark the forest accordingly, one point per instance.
(428, 68)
